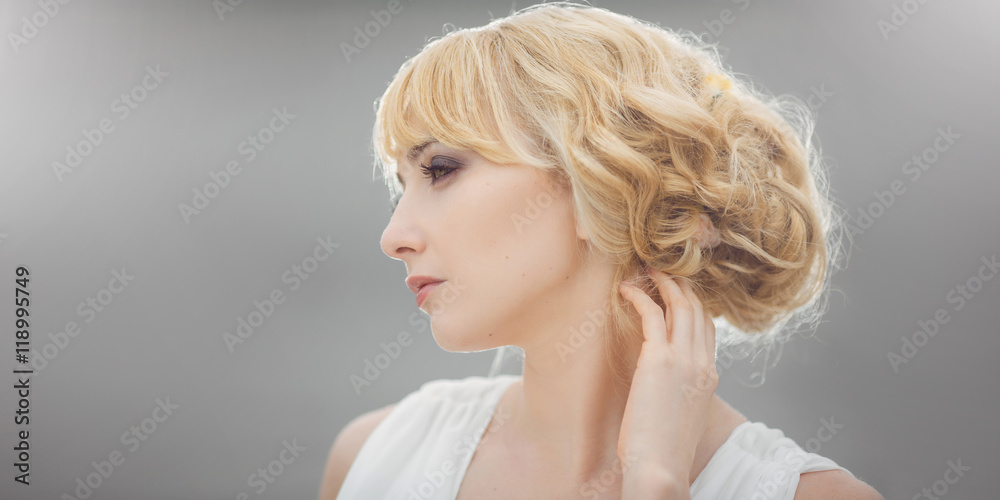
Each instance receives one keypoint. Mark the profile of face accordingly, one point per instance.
(502, 237)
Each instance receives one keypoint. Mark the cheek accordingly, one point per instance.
(511, 245)
(520, 236)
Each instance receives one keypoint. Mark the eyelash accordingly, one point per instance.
(428, 170)
(428, 173)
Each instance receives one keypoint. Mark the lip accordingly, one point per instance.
(422, 286)
(425, 291)
(416, 281)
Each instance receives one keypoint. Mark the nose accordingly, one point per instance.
(403, 236)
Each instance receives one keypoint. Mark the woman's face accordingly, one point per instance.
(504, 240)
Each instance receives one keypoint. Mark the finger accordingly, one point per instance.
(653, 326)
(710, 344)
(679, 309)
(698, 315)
(704, 329)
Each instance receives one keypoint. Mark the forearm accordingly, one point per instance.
(654, 484)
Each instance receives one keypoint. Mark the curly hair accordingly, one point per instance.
(630, 116)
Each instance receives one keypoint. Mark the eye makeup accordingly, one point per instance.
(446, 166)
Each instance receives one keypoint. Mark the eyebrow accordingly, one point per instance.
(412, 155)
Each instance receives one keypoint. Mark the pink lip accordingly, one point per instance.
(425, 291)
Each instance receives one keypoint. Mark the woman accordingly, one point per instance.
(595, 190)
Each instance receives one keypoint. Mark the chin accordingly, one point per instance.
(464, 326)
(463, 339)
(460, 343)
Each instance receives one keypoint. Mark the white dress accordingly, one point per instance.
(422, 448)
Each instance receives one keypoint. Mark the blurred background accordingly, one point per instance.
(190, 185)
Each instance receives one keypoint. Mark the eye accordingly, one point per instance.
(429, 171)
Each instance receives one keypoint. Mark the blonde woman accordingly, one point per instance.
(599, 192)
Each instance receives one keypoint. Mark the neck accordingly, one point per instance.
(567, 409)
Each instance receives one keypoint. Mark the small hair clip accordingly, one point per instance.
(719, 81)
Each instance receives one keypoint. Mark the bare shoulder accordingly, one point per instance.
(835, 483)
(345, 449)
(818, 485)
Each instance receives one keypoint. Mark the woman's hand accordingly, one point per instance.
(675, 378)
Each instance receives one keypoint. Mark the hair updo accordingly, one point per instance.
(630, 116)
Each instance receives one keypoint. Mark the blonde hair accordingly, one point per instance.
(630, 116)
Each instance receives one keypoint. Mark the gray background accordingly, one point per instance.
(162, 336)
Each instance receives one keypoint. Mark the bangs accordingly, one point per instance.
(450, 92)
